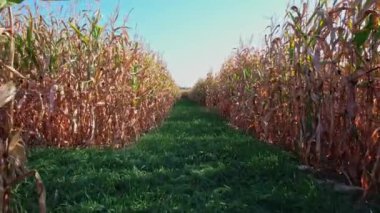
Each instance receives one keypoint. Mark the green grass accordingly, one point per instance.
(193, 163)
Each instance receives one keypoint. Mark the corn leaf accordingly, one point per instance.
(7, 93)
(7, 3)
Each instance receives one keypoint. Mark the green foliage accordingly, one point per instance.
(361, 37)
(194, 163)
(7, 3)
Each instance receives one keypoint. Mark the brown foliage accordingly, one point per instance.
(84, 84)
(12, 147)
(314, 90)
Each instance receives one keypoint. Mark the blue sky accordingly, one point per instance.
(193, 36)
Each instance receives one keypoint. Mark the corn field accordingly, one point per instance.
(314, 89)
(72, 83)
(80, 83)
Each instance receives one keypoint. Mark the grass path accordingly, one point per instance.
(194, 163)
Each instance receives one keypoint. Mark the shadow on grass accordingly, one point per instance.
(193, 162)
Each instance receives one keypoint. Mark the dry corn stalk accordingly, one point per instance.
(314, 89)
(85, 84)
(13, 160)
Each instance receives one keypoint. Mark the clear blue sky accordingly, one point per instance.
(193, 36)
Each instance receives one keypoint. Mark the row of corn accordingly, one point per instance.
(314, 89)
(80, 83)
(72, 83)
